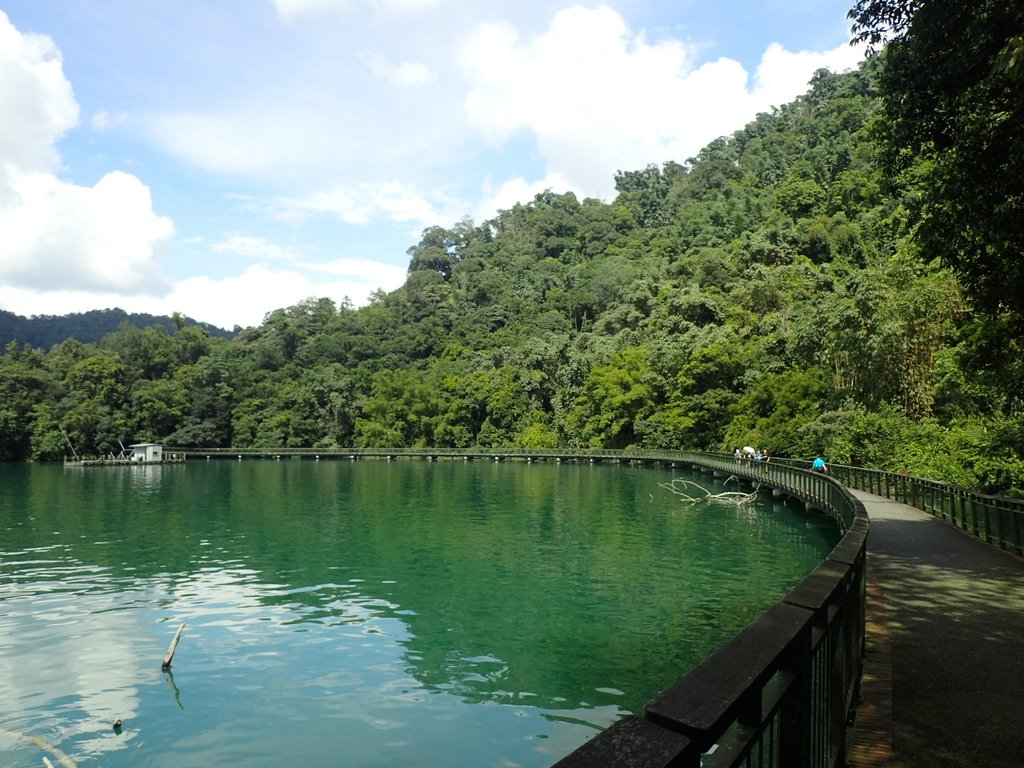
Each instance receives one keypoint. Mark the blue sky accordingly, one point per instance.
(227, 159)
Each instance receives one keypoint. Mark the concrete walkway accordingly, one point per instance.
(944, 672)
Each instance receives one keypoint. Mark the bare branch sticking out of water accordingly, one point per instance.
(736, 498)
(171, 648)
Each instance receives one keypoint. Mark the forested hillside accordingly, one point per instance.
(44, 331)
(766, 292)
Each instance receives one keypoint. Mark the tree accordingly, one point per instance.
(615, 398)
(953, 85)
(774, 411)
(645, 192)
(156, 411)
(23, 384)
(145, 354)
(440, 250)
(767, 293)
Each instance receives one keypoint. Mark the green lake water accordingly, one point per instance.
(365, 613)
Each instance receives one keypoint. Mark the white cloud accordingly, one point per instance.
(312, 135)
(783, 75)
(36, 100)
(246, 298)
(102, 120)
(598, 98)
(225, 302)
(592, 95)
(290, 10)
(392, 201)
(512, 191)
(254, 247)
(239, 299)
(326, 122)
(324, 143)
(71, 248)
(257, 140)
(402, 73)
(58, 235)
(366, 272)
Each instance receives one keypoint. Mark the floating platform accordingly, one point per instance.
(168, 457)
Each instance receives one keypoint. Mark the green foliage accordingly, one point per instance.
(615, 397)
(45, 331)
(955, 107)
(768, 292)
(775, 411)
(23, 385)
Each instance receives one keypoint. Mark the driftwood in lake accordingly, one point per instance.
(172, 648)
(63, 759)
(736, 498)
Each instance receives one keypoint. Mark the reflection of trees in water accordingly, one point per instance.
(501, 582)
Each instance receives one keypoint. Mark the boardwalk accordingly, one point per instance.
(944, 674)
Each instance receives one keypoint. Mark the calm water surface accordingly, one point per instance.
(363, 614)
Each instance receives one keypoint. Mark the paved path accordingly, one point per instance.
(948, 610)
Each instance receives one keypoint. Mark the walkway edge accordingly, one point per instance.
(871, 743)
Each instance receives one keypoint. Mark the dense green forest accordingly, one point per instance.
(43, 331)
(796, 286)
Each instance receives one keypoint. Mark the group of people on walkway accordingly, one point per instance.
(756, 454)
(751, 454)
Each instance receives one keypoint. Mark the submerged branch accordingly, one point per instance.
(63, 759)
(737, 498)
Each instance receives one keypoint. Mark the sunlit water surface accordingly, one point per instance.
(363, 613)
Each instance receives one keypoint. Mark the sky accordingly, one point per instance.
(225, 159)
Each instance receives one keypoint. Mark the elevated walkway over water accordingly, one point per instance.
(944, 669)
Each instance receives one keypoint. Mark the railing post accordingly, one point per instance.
(796, 715)
(980, 517)
(992, 522)
(1018, 534)
(1005, 525)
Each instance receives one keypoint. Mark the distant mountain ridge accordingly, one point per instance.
(43, 331)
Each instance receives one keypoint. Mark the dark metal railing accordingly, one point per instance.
(473, 452)
(781, 694)
(996, 520)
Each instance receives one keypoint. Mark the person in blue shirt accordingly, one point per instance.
(819, 465)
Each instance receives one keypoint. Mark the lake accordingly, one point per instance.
(366, 613)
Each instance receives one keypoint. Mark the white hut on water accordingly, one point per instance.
(147, 452)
